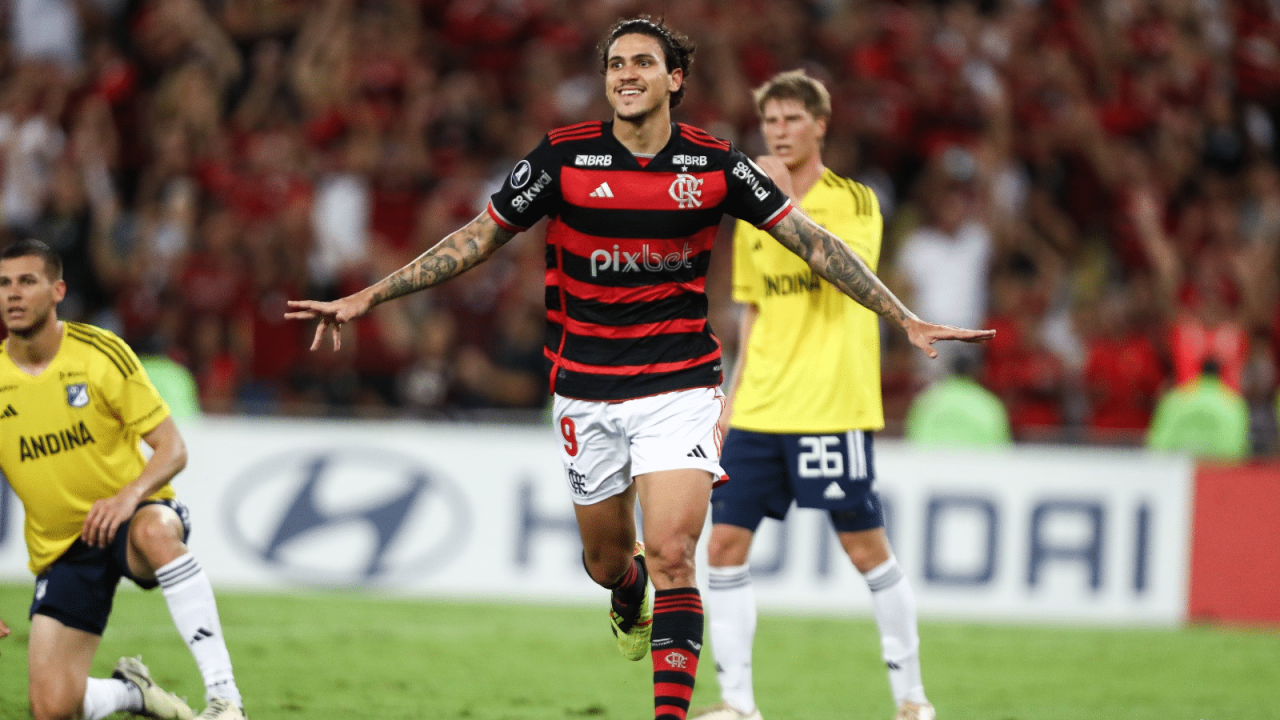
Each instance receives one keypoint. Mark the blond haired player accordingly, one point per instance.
(803, 402)
(74, 406)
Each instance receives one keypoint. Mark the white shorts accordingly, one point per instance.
(605, 444)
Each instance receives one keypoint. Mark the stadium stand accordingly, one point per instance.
(1104, 174)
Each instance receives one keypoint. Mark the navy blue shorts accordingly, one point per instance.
(79, 587)
(767, 471)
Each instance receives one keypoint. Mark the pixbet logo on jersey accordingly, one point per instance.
(646, 259)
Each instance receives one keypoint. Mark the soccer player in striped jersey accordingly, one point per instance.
(804, 400)
(633, 206)
(76, 406)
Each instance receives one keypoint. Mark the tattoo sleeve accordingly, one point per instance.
(838, 265)
(458, 252)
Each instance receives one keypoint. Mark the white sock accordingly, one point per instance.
(731, 613)
(104, 696)
(895, 610)
(190, 596)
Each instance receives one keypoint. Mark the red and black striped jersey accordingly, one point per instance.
(628, 247)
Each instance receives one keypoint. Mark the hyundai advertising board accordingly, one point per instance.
(432, 510)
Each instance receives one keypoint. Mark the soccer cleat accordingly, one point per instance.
(724, 712)
(633, 633)
(915, 711)
(220, 709)
(156, 701)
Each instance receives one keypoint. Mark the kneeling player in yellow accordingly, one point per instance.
(76, 403)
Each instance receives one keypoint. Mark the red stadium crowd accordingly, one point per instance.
(1097, 180)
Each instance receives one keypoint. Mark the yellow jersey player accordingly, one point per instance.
(803, 402)
(76, 406)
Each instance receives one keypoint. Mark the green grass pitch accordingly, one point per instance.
(356, 657)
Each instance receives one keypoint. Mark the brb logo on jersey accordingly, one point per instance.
(593, 160)
(646, 259)
(685, 190)
(699, 160)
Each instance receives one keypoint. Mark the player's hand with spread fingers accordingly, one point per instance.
(924, 334)
(107, 515)
(331, 314)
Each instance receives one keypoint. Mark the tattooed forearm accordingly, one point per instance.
(455, 254)
(838, 265)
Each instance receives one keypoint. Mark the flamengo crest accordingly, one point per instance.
(685, 190)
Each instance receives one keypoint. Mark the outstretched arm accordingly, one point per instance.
(458, 252)
(839, 265)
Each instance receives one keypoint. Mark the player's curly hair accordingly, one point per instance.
(677, 48)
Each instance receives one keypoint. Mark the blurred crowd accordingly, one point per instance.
(1097, 179)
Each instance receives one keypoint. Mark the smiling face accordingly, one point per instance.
(791, 132)
(636, 79)
(29, 294)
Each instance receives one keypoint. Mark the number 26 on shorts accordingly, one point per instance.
(570, 434)
(821, 458)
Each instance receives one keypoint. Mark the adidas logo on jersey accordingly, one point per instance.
(833, 491)
(9, 412)
(697, 452)
(604, 191)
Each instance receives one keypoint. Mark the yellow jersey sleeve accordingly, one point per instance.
(131, 396)
(813, 358)
(865, 229)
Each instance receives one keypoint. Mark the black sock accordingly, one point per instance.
(676, 644)
(628, 592)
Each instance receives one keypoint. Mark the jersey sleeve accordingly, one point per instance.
(868, 226)
(130, 393)
(752, 195)
(530, 191)
(746, 285)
